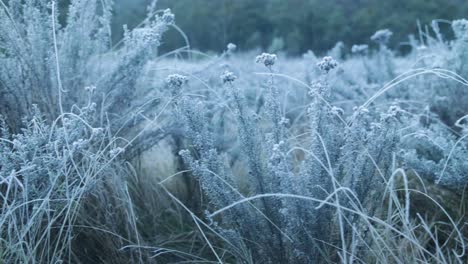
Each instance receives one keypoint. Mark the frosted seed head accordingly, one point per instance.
(168, 17)
(184, 153)
(317, 86)
(359, 49)
(175, 81)
(228, 77)
(337, 111)
(142, 37)
(277, 151)
(394, 112)
(267, 59)
(79, 144)
(460, 28)
(284, 121)
(231, 47)
(327, 64)
(382, 36)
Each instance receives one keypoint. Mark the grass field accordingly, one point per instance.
(116, 153)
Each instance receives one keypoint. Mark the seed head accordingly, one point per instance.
(284, 121)
(359, 49)
(231, 47)
(228, 77)
(382, 36)
(460, 28)
(267, 59)
(337, 111)
(168, 17)
(145, 36)
(175, 81)
(327, 64)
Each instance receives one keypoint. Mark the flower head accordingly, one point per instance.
(145, 36)
(460, 28)
(175, 81)
(168, 17)
(231, 47)
(284, 121)
(317, 87)
(228, 77)
(382, 36)
(359, 49)
(267, 59)
(327, 64)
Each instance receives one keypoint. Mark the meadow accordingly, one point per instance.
(113, 152)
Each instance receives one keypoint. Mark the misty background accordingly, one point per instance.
(292, 26)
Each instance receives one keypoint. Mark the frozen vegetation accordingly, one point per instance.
(115, 153)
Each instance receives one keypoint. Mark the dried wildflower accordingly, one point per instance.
(360, 49)
(382, 36)
(231, 47)
(284, 121)
(277, 152)
(317, 87)
(145, 36)
(228, 77)
(175, 81)
(168, 17)
(79, 144)
(460, 28)
(267, 59)
(394, 112)
(327, 64)
(338, 111)
(184, 152)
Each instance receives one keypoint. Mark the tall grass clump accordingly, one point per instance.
(48, 64)
(331, 184)
(113, 153)
(68, 95)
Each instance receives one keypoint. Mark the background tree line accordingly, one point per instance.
(294, 26)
